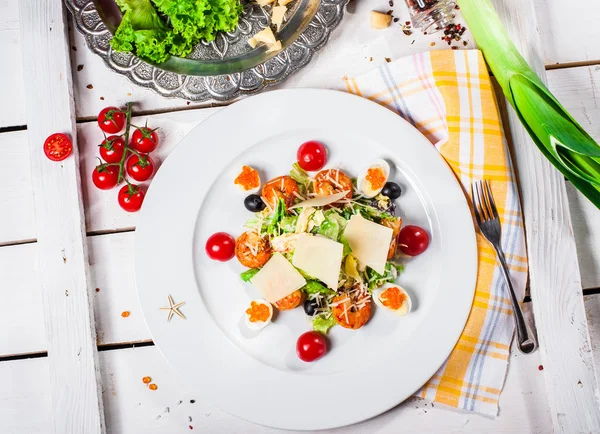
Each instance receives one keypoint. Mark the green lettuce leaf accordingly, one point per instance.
(322, 325)
(299, 175)
(247, 275)
(314, 286)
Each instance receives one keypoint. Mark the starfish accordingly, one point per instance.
(173, 309)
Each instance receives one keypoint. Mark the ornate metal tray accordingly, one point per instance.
(225, 68)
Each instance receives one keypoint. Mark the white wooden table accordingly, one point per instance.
(29, 389)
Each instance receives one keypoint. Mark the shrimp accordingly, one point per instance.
(331, 181)
(292, 301)
(351, 309)
(395, 225)
(251, 250)
(282, 187)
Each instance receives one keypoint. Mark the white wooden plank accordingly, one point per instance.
(25, 397)
(578, 89)
(16, 195)
(132, 408)
(555, 282)
(586, 227)
(69, 324)
(112, 278)
(12, 87)
(569, 30)
(592, 310)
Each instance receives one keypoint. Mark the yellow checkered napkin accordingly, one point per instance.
(448, 96)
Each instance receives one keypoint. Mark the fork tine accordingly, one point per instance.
(491, 200)
(475, 204)
(482, 203)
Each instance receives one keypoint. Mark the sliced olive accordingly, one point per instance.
(391, 190)
(254, 203)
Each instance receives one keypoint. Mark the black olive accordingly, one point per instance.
(254, 203)
(391, 190)
(310, 306)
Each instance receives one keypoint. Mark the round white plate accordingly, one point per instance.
(258, 377)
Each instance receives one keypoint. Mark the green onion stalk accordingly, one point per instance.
(560, 138)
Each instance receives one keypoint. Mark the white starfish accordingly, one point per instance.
(173, 309)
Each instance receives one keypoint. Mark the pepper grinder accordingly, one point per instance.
(431, 15)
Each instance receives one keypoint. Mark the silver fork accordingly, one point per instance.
(489, 225)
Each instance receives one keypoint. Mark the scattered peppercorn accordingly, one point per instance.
(89, 86)
(391, 4)
(79, 67)
(146, 380)
(153, 386)
(125, 314)
(97, 289)
(396, 19)
(101, 98)
(192, 401)
(431, 44)
(541, 368)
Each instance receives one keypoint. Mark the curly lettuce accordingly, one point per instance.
(143, 31)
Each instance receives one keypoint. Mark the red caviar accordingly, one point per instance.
(376, 176)
(392, 297)
(258, 312)
(248, 178)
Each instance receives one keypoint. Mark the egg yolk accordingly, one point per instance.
(257, 312)
(248, 178)
(376, 177)
(392, 298)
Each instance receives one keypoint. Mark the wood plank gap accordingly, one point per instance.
(126, 345)
(551, 67)
(22, 356)
(591, 291)
(110, 231)
(136, 113)
(13, 128)
(18, 242)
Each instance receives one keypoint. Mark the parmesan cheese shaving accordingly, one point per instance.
(284, 2)
(277, 15)
(275, 47)
(321, 200)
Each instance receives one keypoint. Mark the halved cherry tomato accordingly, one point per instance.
(131, 197)
(57, 147)
(220, 247)
(112, 148)
(105, 177)
(144, 140)
(140, 168)
(413, 240)
(311, 346)
(111, 120)
(312, 156)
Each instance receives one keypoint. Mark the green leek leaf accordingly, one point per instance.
(558, 136)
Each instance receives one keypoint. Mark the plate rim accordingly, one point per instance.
(307, 95)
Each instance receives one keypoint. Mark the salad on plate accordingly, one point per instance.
(322, 240)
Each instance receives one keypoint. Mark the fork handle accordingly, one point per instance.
(525, 339)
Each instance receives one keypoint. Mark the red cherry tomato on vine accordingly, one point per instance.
(144, 140)
(413, 240)
(140, 169)
(57, 147)
(112, 148)
(111, 120)
(312, 156)
(131, 197)
(220, 247)
(311, 346)
(105, 177)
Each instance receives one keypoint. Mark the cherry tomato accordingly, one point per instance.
(140, 169)
(413, 240)
(144, 140)
(131, 197)
(112, 148)
(311, 346)
(57, 147)
(105, 177)
(111, 120)
(220, 247)
(312, 156)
